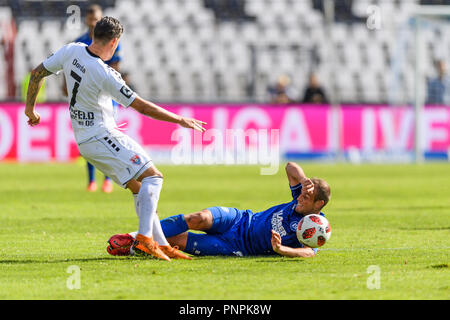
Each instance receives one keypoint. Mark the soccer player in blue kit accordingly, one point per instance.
(234, 232)
(94, 14)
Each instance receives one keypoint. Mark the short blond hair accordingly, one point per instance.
(323, 190)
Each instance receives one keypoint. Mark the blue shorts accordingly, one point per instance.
(223, 239)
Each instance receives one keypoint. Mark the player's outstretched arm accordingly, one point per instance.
(288, 251)
(156, 112)
(36, 79)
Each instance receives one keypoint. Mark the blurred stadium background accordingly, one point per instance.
(370, 67)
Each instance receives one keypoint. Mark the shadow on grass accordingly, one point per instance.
(440, 266)
(427, 229)
(274, 259)
(30, 261)
(259, 259)
(409, 207)
(256, 258)
(282, 260)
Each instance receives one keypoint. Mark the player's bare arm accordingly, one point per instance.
(36, 80)
(156, 112)
(296, 175)
(286, 251)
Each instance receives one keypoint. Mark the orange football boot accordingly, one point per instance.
(107, 186)
(147, 246)
(173, 252)
(92, 186)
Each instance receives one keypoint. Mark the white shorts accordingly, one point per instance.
(117, 156)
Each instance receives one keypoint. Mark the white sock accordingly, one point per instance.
(158, 234)
(147, 199)
(136, 203)
(133, 234)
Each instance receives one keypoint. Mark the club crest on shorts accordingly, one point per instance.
(135, 159)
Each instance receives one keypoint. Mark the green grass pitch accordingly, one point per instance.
(395, 217)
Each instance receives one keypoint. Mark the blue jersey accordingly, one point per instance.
(281, 218)
(88, 40)
(243, 233)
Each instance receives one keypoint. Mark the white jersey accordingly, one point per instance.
(91, 85)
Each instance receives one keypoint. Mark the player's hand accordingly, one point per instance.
(276, 241)
(34, 118)
(307, 187)
(193, 124)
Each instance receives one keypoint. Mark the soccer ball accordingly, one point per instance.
(313, 231)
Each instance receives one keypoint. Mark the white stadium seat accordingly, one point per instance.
(177, 47)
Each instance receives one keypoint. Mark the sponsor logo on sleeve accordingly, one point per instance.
(127, 92)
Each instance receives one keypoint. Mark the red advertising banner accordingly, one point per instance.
(304, 129)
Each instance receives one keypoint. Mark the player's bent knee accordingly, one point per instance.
(150, 172)
(134, 186)
(201, 220)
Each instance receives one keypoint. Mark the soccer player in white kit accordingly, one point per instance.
(91, 86)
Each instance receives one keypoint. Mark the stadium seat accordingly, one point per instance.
(183, 50)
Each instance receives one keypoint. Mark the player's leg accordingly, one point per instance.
(203, 244)
(126, 162)
(107, 186)
(193, 243)
(179, 240)
(214, 220)
(139, 203)
(201, 221)
(92, 184)
(157, 232)
(121, 244)
(147, 189)
(174, 225)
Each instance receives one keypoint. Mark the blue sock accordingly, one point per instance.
(91, 172)
(174, 225)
